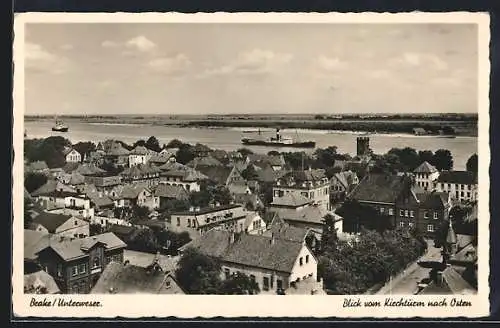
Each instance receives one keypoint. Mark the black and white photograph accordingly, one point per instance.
(323, 158)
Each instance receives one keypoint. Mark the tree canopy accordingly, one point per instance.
(50, 150)
(33, 181)
(472, 163)
(153, 144)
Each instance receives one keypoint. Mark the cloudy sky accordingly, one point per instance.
(250, 68)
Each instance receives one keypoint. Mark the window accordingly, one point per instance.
(406, 213)
(469, 187)
(391, 211)
(178, 221)
(401, 212)
(59, 270)
(96, 263)
(301, 261)
(412, 214)
(189, 223)
(430, 228)
(307, 258)
(401, 224)
(456, 194)
(449, 185)
(227, 273)
(435, 215)
(279, 284)
(468, 194)
(382, 210)
(410, 224)
(82, 268)
(252, 277)
(265, 281)
(74, 271)
(76, 222)
(461, 194)
(426, 215)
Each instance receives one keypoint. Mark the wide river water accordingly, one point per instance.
(229, 138)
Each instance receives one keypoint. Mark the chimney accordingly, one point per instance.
(232, 237)
(439, 278)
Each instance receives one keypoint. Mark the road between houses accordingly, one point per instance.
(406, 282)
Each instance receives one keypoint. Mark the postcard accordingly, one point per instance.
(298, 165)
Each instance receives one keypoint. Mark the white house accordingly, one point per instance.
(462, 185)
(61, 225)
(139, 155)
(425, 176)
(72, 156)
(275, 264)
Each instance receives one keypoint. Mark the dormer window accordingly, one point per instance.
(96, 263)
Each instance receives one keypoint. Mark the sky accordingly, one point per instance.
(175, 68)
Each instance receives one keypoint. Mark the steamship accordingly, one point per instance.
(278, 141)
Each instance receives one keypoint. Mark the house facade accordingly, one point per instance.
(462, 185)
(199, 221)
(139, 155)
(72, 156)
(425, 176)
(61, 225)
(76, 264)
(310, 184)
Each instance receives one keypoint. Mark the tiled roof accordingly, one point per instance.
(70, 167)
(132, 191)
(34, 241)
(51, 187)
(204, 161)
(291, 200)
(309, 214)
(100, 200)
(51, 221)
(280, 229)
(40, 279)
(249, 250)
(299, 177)
(130, 279)
(460, 177)
(237, 188)
(425, 167)
(140, 150)
(219, 174)
(89, 169)
(76, 179)
(116, 149)
(382, 188)
(161, 158)
(433, 199)
(168, 191)
(69, 249)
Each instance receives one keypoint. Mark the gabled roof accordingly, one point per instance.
(238, 188)
(69, 249)
(51, 221)
(299, 177)
(310, 214)
(140, 150)
(34, 241)
(76, 179)
(280, 229)
(460, 177)
(100, 200)
(291, 200)
(132, 191)
(130, 279)
(168, 191)
(433, 199)
(204, 161)
(69, 150)
(425, 167)
(249, 250)
(161, 158)
(219, 174)
(116, 149)
(53, 186)
(381, 188)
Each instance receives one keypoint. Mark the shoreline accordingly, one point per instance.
(375, 127)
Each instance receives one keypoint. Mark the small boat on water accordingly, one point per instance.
(60, 126)
(278, 141)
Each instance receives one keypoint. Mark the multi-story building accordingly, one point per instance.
(139, 155)
(141, 173)
(425, 176)
(275, 264)
(200, 220)
(310, 184)
(72, 156)
(341, 183)
(76, 264)
(177, 174)
(462, 185)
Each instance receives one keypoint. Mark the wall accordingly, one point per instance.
(259, 274)
(74, 227)
(320, 195)
(306, 269)
(457, 191)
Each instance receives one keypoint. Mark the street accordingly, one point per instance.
(406, 282)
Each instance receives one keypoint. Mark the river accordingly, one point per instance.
(229, 138)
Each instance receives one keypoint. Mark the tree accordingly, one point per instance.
(143, 240)
(95, 229)
(443, 160)
(357, 216)
(172, 241)
(472, 163)
(198, 273)
(185, 154)
(326, 157)
(245, 151)
(139, 212)
(249, 173)
(153, 144)
(239, 284)
(298, 160)
(33, 181)
(426, 156)
(50, 150)
(175, 143)
(329, 235)
(408, 157)
(273, 153)
(84, 148)
(222, 195)
(140, 143)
